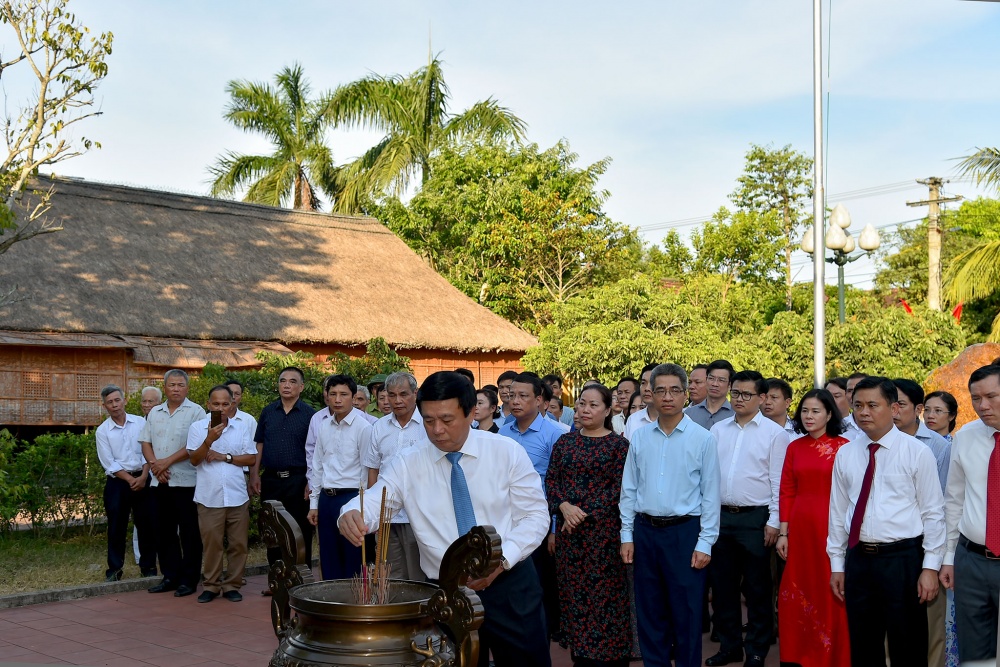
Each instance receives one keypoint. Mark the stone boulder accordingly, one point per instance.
(953, 377)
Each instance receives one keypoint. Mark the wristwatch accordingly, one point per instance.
(505, 564)
(229, 458)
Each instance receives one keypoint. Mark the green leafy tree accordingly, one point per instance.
(743, 246)
(670, 261)
(777, 181)
(413, 113)
(983, 166)
(515, 227)
(300, 162)
(65, 62)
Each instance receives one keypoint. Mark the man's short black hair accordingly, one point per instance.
(699, 366)
(984, 372)
(221, 387)
(335, 380)
(759, 383)
(635, 383)
(236, 382)
(648, 368)
(294, 369)
(552, 377)
(506, 375)
(445, 385)
(721, 365)
(538, 387)
(857, 376)
(778, 383)
(913, 391)
(467, 374)
(841, 382)
(884, 385)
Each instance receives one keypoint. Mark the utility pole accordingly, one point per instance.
(933, 203)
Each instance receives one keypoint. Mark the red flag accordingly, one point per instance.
(906, 306)
(957, 313)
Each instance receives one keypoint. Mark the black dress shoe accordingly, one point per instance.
(754, 661)
(183, 591)
(233, 596)
(113, 576)
(206, 596)
(163, 587)
(724, 658)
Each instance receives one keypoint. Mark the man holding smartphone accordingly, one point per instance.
(219, 448)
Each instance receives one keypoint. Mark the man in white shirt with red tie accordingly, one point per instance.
(886, 533)
(972, 508)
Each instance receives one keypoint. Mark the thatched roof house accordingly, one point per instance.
(196, 279)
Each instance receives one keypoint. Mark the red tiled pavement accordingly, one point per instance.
(135, 629)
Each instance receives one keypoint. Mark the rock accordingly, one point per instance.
(953, 377)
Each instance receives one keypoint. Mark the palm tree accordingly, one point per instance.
(412, 111)
(300, 162)
(975, 274)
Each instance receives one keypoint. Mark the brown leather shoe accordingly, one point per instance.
(266, 592)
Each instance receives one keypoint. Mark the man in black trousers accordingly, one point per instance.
(281, 452)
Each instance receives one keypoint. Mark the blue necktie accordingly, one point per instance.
(465, 516)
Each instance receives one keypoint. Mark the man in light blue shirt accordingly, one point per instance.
(670, 507)
(537, 434)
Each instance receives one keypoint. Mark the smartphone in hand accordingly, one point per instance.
(216, 418)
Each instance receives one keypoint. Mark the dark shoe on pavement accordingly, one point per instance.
(149, 573)
(113, 576)
(266, 592)
(754, 661)
(183, 591)
(724, 658)
(163, 587)
(233, 596)
(206, 596)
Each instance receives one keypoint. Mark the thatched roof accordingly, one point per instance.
(147, 263)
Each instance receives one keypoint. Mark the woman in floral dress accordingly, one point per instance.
(583, 484)
(812, 623)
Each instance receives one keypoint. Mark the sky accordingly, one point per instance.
(674, 93)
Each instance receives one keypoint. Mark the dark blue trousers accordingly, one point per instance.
(668, 593)
(514, 629)
(120, 503)
(338, 558)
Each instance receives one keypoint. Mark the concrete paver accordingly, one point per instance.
(138, 628)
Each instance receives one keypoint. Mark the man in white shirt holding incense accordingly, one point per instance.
(489, 480)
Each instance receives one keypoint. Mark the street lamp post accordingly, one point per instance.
(842, 244)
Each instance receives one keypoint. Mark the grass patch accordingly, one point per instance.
(32, 562)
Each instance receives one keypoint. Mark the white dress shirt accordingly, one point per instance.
(790, 430)
(618, 423)
(388, 440)
(750, 460)
(965, 497)
(221, 484)
(168, 433)
(506, 493)
(636, 421)
(940, 448)
(118, 447)
(337, 459)
(905, 498)
(851, 429)
(314, 424)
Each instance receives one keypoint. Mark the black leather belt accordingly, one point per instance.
(664, 521)
(284, 474)
(338, 492)
(135, 473)
(886, 548)
(979, 549)
(739, 509)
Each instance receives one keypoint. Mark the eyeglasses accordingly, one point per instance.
(742, 395)
(662, 391)
(715, 379)
(936, 411)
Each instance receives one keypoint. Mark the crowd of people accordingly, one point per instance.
(633, 520)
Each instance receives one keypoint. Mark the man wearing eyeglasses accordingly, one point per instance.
(715, 408)
(751, 454)
(669, 510)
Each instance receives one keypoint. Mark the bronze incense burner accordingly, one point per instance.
(425, 625)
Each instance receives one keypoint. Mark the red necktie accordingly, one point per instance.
(866, 491)
(993, 498)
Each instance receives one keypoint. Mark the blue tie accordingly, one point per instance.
(465, 516)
